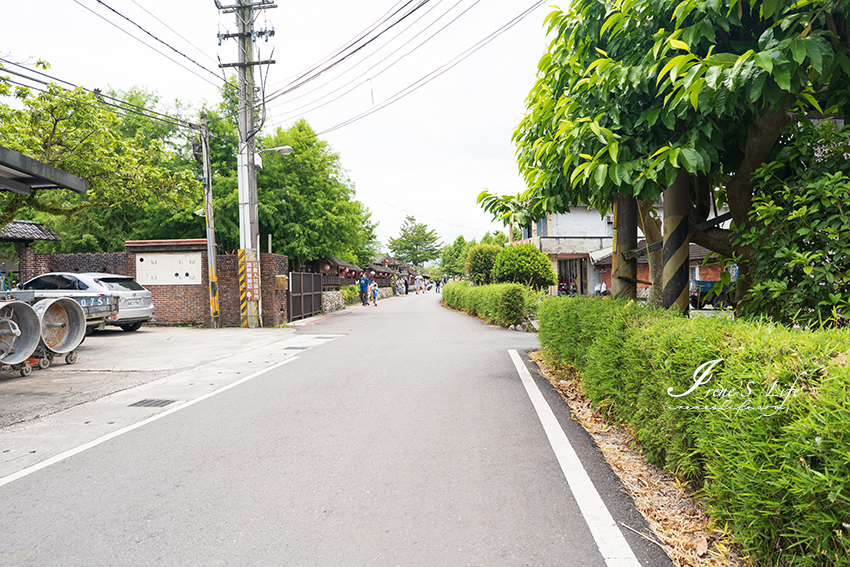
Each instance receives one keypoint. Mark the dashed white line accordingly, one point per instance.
(609, 539)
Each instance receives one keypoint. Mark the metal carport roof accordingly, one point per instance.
(22, 174)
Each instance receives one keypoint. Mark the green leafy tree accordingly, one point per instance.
(415, 243)
(512, 210)
(525, 264)
(498, 238)
(74, 132)
(703, 89)
(480, 261)
(453, 256)
(800, 231)
(306, 201)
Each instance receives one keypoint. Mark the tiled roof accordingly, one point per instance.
(26, 231)
(696, 253)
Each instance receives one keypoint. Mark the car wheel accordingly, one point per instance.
(131, 327)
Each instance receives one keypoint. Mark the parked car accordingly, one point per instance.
(135, 304)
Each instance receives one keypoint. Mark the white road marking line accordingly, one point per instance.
(77, 450)
(609, 539)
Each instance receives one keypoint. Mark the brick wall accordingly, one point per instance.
(227, 270)
(274, 301)
(175, 304)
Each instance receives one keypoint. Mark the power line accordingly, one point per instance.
(437, 72)
(426, 40)
(150, 46)
(319, 73)
(201, 51)
(122, 106)
(117, 13)
(142, 110)
(341, 49)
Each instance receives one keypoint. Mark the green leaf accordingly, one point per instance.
(756, 87)
(782, 76)
(600, 174)
(798, 51)
(680, 45)
(613, 150)
(713, 76)
(764, 60)
(814, 53)
(768, 8)
(690, 159)
(695, 91)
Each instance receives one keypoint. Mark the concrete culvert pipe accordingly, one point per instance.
(63, 324)
(19, 332)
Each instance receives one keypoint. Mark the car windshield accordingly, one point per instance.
(120, 284)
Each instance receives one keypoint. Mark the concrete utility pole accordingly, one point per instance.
(249, 224)
(208, 213)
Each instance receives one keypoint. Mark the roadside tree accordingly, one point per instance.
(415, 243)
(704, 89)
(74, 132)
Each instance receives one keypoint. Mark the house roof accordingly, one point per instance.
(697, 253)
(23, 175)
(26, 231)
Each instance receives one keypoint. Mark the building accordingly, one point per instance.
(572, 241)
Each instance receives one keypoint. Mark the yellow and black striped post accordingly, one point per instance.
(243, 291)
(677, 204)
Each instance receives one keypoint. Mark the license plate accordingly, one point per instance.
(134, 302)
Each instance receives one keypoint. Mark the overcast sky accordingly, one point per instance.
(429, 154)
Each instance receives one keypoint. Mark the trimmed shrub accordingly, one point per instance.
(525, 264)
(502, 304)
(351, 294)
(765, 435)
(479, 262)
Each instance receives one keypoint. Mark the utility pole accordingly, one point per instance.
(249, 224)
(210, 221)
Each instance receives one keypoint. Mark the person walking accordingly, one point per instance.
(375, 294)
(364, 288)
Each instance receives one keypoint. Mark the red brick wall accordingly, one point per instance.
(176, 304)
(274, 301)
(227, 269)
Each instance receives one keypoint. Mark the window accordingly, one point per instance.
(55, 282)
(121, 284)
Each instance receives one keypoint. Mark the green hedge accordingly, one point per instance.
(780, 479)
(502, 304)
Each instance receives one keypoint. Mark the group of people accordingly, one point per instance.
(368, 291)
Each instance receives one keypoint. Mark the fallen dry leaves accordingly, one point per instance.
(679, 524)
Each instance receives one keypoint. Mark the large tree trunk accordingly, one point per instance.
(651, 228)
(762, 136)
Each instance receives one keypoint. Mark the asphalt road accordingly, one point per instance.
(403, 434)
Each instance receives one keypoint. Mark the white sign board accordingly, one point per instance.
(168, 269)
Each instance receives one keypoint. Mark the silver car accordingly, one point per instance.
(135, 304)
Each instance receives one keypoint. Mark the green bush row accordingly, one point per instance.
(763, 434)
(502, 304)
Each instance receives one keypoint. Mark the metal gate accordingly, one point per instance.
(305, 295)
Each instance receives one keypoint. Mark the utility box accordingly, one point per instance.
(281, 283)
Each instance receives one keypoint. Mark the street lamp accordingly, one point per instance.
(282, 150)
